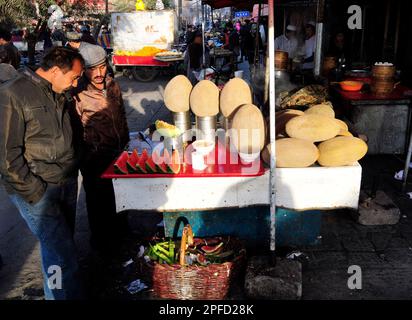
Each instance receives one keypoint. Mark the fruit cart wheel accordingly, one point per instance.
(145, 74)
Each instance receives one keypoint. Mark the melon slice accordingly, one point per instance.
(234, 94)
(321, 109)
(212, 249)
(150, 165)
(132, 161)
(341, 151)
(204, 99)
(141, 164)
(177, 94)
(120, 166)
(312, 127)
(248, 129)
(159, 162)
(172, 162)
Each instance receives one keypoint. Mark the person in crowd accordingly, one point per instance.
(7, 73)
(310, 46)
(13, 52)
(288, 42)
(194, 57)
(86, 35)
(17, 36)
(54, 23)
(238, 26)
(104, 38)
(247, 41)
(189, 34)
(45, 35)
(338, 48)
(233, 40)
(38, 166)
(101, 134)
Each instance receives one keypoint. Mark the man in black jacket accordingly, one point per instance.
(37, 163)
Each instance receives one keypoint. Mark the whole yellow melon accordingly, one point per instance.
(204, 99)
(177, 94)
(283, 117)
(292, 153)
(234, 94)
(342, 125)
(321, 109)
(341, 151)
(312, 127)
(248, 129)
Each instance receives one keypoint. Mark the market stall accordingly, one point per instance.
(293, 165)
(152, 51)
(289, 195)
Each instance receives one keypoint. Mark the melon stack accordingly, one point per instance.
(304, 138)
(247, 130)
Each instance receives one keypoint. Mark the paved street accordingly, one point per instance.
(384, 253)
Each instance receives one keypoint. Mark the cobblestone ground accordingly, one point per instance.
(384, 253)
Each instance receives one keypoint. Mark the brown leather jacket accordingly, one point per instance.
(100, 125)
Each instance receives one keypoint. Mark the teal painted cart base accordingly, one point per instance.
(252, 225)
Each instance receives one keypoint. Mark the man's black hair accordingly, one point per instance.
(62, 57)
(5, 34)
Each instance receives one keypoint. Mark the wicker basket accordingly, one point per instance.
(211, 282)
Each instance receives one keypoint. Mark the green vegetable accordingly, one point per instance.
(171, 249)
(164, 244)
(161, 249)
(165, 258)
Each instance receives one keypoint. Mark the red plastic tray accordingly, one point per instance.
(138, 61)
(213, 170)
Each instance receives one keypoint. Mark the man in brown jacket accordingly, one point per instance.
(102, 133)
